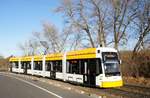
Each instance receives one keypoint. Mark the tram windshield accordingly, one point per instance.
(111, 69)
(111, 64)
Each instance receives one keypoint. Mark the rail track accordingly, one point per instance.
(137, 89)
(131, 91)
(127, 91)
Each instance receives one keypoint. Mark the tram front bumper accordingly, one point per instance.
(109, 84)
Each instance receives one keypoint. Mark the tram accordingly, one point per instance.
(98, 67)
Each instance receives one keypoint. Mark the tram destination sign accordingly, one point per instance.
(109, 56)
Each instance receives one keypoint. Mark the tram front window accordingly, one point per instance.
(111, 68)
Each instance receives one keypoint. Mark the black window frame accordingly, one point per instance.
(57, 65)
(38, 65)
(80, 67)
(25, 63)
(15, 64)
(48, 66)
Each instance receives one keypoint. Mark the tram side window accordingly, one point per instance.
(28, 65)
(82, 66)
(38, 65)
(15, 65)
(48, 66)
(57, 66)
(94, 66)
(75, 66)
(78, 66)
(71, 66)
(91, 66)
(25, 65)
(98, 66)
(22, 65)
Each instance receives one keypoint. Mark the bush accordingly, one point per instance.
(4, 64)
(137, 65)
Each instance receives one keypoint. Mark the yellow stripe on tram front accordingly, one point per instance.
(108, 84)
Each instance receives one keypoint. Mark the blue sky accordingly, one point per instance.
(19, 18)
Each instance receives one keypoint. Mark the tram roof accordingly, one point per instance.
(13, 59)
(54, 56)
(38, 57)
(76, 54)
(82, 54)
(26, 58)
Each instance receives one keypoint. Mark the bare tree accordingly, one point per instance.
(142, 24)
(55, 40)
(124, 12)
(100, 15)
(39, 38)
(89, 23)
(100, 18)
(33, 47)
(86, 16)
(29, 47)
(24, 48)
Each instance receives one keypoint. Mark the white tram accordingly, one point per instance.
(92, 66)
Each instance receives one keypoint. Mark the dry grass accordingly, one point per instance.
(139, 66)
(136, 70)
(4, 64)
(137, 81)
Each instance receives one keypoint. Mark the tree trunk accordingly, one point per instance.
(90, 37)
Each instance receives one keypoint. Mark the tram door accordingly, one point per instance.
(52, 71)
(24, 66)
(90, 72)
